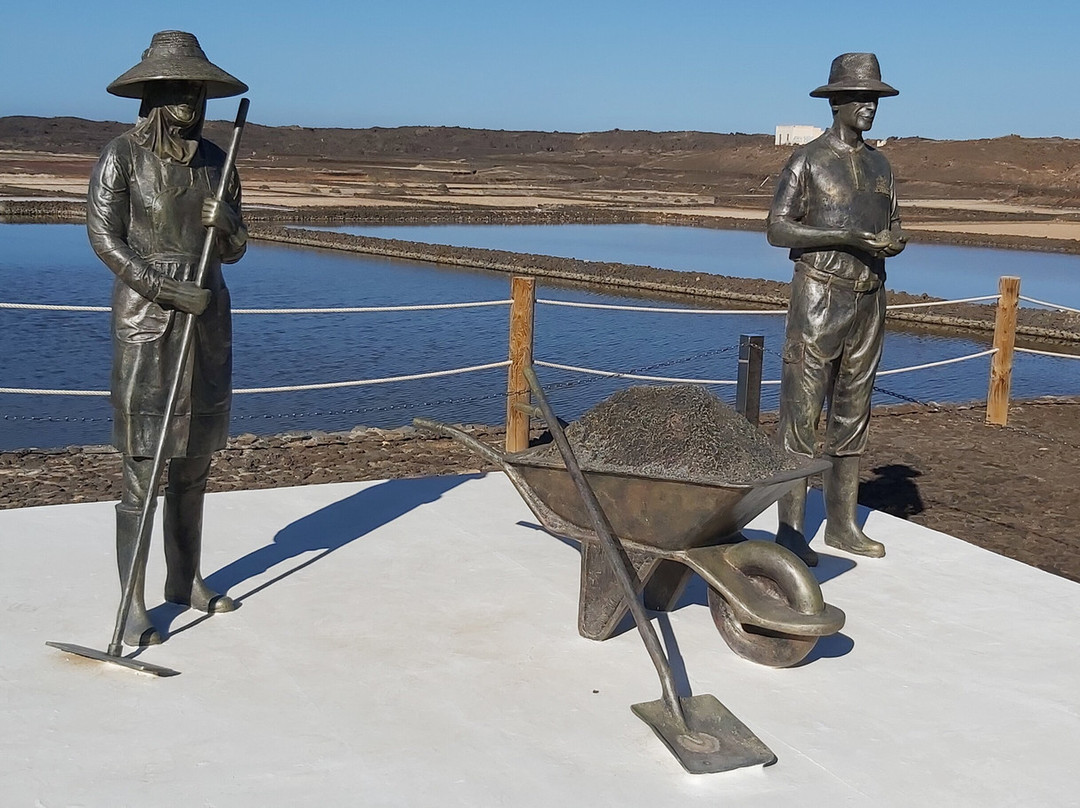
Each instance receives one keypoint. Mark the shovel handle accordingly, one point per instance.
(620, 565)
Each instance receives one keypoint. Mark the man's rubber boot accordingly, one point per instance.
(841, 505)
(138, 628)
(790, 533)
(183, 549)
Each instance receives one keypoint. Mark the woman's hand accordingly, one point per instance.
(182, 295)
(216, 213)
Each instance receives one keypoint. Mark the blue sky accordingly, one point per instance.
(964, 69)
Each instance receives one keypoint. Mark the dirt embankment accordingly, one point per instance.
(1034, 324)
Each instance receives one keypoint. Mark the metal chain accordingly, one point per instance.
(1019, 430)
(403, 406)
(903, 397)
(67, 419)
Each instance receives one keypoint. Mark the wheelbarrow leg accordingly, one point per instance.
(602, 602)
(702, 734)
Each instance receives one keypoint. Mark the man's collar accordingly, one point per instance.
(839, 146)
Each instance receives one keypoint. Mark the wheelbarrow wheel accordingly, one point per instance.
(757, 644)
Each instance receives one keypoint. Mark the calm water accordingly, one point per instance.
(54, 264)
(947, 272)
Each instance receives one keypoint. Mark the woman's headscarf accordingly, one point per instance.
(161, 128)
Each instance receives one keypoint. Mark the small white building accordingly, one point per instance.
(796, 134)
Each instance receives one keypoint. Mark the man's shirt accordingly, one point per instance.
(831, 185)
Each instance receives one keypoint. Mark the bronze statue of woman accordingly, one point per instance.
(150, 201)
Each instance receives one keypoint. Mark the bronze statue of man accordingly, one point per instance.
(835, 208)
(150, 201)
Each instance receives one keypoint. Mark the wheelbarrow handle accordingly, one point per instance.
(487, 452)
(620, 565)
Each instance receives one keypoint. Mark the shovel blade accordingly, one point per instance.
(712, 740)
(123, 662)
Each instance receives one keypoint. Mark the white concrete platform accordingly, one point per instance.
(413, 643)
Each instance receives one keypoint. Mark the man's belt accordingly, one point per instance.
(871, 284)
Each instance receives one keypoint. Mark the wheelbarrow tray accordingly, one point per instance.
(668, 527)
(658, 513)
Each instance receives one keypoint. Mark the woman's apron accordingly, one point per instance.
(147, 346)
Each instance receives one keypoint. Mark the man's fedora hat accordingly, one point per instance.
(855, 73)
(176, 56)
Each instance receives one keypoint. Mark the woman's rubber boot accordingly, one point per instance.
(790, 532)
(183, 548)
(841, 506)
(138, 628)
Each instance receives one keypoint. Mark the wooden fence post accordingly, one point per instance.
(997, 395)
(523, 297)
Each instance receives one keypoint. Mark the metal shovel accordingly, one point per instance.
(116, 647)
(701, 732)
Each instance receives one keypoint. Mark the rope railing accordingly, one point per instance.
(32, 391)
(420, 405)
(1046, 353)
(488, 303)
(52, 307)
(655, 309)
(658, 310)
(373, 309)
(295, 388)
(331, 310)
(616, 375)
(544, 301)
(728, 382)
(1057, 306)
(939, 363)
(290, 388)
(929, 303)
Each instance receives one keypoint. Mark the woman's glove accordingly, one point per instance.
(216, 213)
(182, 295)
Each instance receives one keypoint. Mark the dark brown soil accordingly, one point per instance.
(1010, 490)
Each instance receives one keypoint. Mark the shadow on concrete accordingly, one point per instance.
(674, 657)
(327, 529)
(835, 645)
(831, 566)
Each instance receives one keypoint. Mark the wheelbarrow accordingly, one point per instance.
(642, 537)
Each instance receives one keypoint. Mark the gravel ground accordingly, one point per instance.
(680, 432)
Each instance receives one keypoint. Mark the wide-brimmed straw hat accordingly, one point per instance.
(176, 56)
(855, 73)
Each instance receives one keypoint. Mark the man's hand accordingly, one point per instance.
(182, 295)
(897, 242)
(880, 245)
(216, 213)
